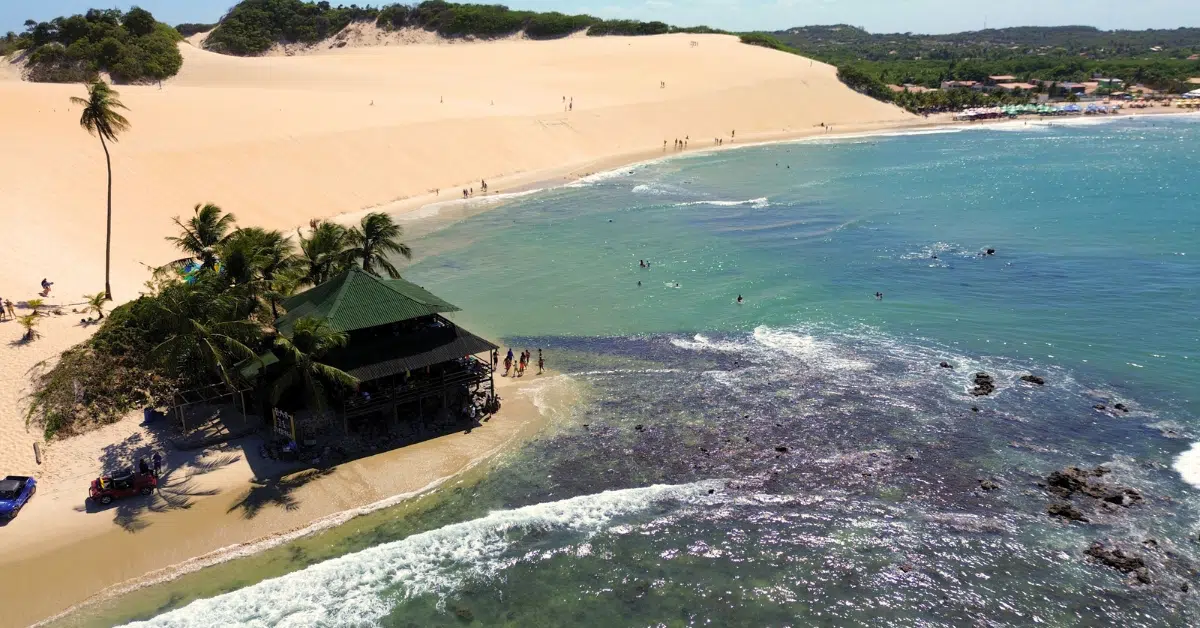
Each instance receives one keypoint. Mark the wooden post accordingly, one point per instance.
(37, 453)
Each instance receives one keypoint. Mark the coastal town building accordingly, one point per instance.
(975, 85)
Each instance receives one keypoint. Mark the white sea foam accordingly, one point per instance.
(359, 589)
(1188, 465)
(598, 177)
(813, 351)
(754, 202)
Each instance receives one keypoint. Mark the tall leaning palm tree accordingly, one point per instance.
(377, 236)
(101, 119)
(203, 233)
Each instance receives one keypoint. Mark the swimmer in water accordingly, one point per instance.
(879, 296)
(739, 299)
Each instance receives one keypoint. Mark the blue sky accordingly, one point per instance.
(925, 16)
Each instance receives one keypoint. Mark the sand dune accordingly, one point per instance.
(279, 140)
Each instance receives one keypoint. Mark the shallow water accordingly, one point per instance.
(802, 459)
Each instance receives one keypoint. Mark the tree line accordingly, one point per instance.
(131, 47)
(253, 26)
(210, 313)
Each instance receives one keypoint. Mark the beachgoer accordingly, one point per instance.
(507, 365)
(510, 354)
(541, 363)
(143, 466)
(879, 296)
(3, 312)
(739, 299)
(639, 284)
(571, 107)
(46, 287)
(157, 461)
(8, 306)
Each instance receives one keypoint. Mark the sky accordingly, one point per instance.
(917, 16)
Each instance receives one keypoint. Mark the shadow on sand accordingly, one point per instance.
(276, 492)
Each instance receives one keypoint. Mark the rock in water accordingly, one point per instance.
(1033, 379)
(945, 365)
(984, 385)
(1121, 407)
(1066, 511)
(1119, 559)
(988, 485)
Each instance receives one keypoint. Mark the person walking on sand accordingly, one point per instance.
(541, 363)
(507, 364)
(8, 307)
(157, 462)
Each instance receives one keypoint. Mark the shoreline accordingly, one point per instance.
(430, 206)
(210, 531)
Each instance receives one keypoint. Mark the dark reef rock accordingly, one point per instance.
(945, 365)
(984, 385)
(988, 485)
(1122, 560)
(1033, 379)
(1066, 511)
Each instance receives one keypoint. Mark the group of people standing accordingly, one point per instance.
(518, 368)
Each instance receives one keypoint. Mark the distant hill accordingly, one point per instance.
(131, 47)
(842, 39)
(1161, 59)
(252, 27)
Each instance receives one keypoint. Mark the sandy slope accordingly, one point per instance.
(279, 140)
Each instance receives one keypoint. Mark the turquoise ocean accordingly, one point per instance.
(802, 459)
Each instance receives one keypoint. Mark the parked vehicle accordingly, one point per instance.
(15, 492)
(106, 489)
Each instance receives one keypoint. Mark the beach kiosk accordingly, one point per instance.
(413, 365)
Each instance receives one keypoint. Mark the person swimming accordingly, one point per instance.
(739, 299)
(879, 296)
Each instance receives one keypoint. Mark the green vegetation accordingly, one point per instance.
(870, 62)
(187, 30)
(132, 47)
(253, 26)
(100, 118)
(206, 315)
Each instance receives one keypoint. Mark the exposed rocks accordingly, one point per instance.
(781, 449)
(1120, 407)
(988, 485)
(984, 385)
(1033, 379)
(991, 251)
(1122, 560)
(1066, 511)
(1100, 407)
(1071, 479)
(974, 408)
(639, 427)
(465, 614)
(945, 365)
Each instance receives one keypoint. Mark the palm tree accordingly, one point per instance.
(100, 118)
(207, 329)
(324, 251)
(30, 323)
(377, 236)
(263, 260)
(95, 303)
(206, 230)
(310, 340)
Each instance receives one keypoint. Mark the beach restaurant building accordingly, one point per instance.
(414, 366)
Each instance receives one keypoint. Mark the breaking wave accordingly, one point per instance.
(361, 588)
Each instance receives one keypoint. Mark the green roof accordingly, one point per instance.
(356, 299)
